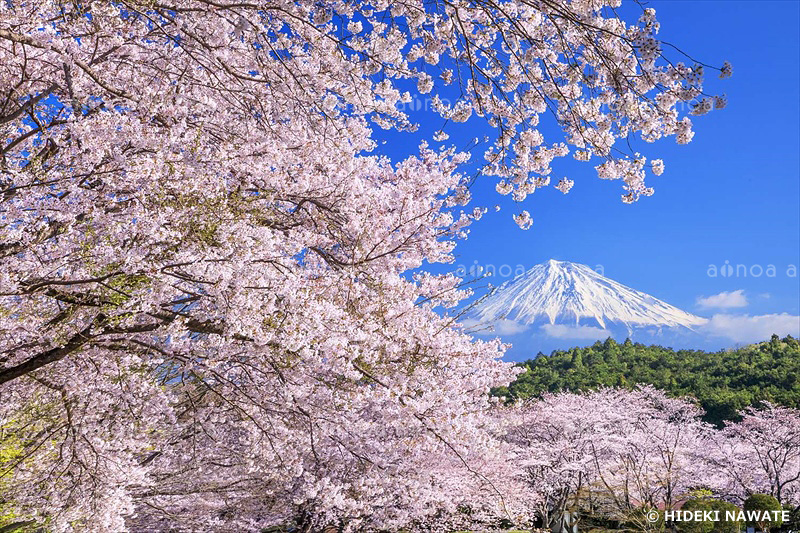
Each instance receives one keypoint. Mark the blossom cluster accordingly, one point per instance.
(622, 452)
(206, 317)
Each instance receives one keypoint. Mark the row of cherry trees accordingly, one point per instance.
(207, 313)
(612, 453)
(618, 453)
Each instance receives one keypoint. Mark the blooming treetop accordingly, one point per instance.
(619, 453)
(204, 312)
(622, 450)
(761, 454)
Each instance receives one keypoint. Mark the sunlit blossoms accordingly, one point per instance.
(658, 166)
(762, 454)
(206, 317)
(621, 450)
(564, 185)
(523, 220)
(618, 453)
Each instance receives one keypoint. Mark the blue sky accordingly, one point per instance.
(732, 194)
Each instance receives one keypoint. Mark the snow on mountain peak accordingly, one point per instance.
(561, 292)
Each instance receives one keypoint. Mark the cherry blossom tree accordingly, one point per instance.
(655, 456)
(554, 438)
(611, 452)
(207, 316)
(761, 454)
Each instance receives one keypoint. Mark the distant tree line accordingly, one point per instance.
(723, 382)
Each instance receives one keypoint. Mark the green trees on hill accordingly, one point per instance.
(723, 382)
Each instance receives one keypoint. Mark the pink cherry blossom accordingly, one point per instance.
(206, 314)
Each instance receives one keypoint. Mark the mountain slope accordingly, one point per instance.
(561, 292)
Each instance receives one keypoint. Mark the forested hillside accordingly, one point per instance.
(723, 382)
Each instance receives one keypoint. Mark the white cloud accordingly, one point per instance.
(723, 300)
(746, 328)
(496, 327)
(508, 327)
(561, 331)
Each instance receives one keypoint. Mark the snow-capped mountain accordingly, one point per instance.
(561, 292)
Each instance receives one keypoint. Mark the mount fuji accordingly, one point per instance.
(560, 296)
